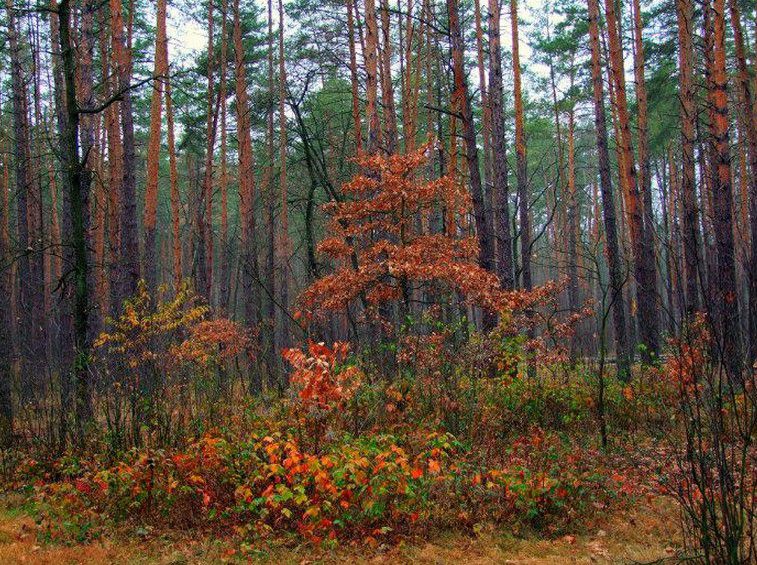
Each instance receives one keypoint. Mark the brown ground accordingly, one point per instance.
(647, 533)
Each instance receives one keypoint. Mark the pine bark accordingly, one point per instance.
(521, 163)
(249, 255)
(387, 88)
(724, 291)
(642, 120)
(745, 86)
(371, 76)
(560, 153)
(88, 141)
(642, 243)
(612, 249)
(271, 351)
(204, 210)
(285, 244)
(572, 224)
(690, 220)
(463, 103)
(224, 275)
(485, 113)
(129, 271)
(153, 148)
(354, 79)
(115, 170)
(76, 181)
(28, 202)
(499, 153)
(6, 333)
(175, 197)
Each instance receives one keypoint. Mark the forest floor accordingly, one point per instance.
(646, 533)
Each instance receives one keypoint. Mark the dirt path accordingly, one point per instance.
(645, 534)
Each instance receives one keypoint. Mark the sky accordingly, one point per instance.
(188, 37)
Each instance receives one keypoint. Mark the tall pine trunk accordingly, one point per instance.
(371, 75)
(485, 116)
(572, 221)
(284, 242)
(521, 163)
(204, 206)
(750, 125)
(354, 78)
(642, 244)
(6, 334)
(28, 203)
(153, 149)
(608, 200)
(225, 274)
(500, 188)
(248, 248)
(725, 296)
(387, 88)
(76, 181)
(175, 197)
(272, 346)
(129, 271)
(690, 228)
(463, 103)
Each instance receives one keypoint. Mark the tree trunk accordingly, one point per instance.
(608, 200)
(521, 163)
(249, 255)
(371, 80)
(30, 260)
(66, 332)
(499, 153)
(354, 79)
(645, 171)
(387, 88)
(37, 225)
(204, 211)
(6, 334)
(175, 198)
(285, 244)
(750, 125)
(271, 351)
(685, 13)
(558, 136)
(88, 142)
(483, 228)
(725, 294)
(572, 225)
(642, 243)
(75, 183)
(521, 171)
(153, 149)
(485, 115)
(115, 171)
(129, 240)
(225, 275)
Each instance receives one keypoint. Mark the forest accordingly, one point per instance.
(414, 281)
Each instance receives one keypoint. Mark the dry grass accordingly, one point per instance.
(647, 533)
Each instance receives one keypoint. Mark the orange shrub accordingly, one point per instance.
(318, 378)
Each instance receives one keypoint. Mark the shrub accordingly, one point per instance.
(161, 360)
(268, 484)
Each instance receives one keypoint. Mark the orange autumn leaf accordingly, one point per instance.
(434, 467)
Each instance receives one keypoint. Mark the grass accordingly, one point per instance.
(644, 534)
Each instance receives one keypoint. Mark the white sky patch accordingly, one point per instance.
(186, 37)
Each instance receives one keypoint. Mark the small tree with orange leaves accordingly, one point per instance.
(384, 247)
(388, 255)
(164, 358)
